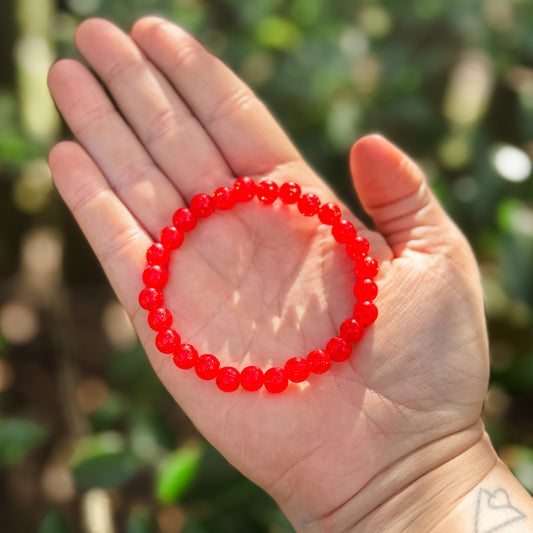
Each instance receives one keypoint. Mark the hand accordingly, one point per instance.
(256, 286)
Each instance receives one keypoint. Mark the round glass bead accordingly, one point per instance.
(228, 379)
(338, 349)
(202, 205)
(366, 313)
(319, 361)
(309, 204)
(267, 191)
(365, 289)
(244, 188)
(343, 231)
(357, 248)
(275, 380)
(297, 369)
(329, 214)
(185, 356)
(167, 341)
(159, 319)
(252, 378)
(289, 192)
(171, 237)
(351, 330)
(366, 267)
(155, 276)
(150, 298)
(224, 198)
(207, 366)
(157, 254)
(184, 219)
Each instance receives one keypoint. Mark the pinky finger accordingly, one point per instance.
(116, 237)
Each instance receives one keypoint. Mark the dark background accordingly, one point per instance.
(87, 434)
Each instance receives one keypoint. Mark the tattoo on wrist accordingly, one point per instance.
(495, 512)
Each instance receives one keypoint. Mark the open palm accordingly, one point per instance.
(258, 285)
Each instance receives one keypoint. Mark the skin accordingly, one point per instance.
(258, 285)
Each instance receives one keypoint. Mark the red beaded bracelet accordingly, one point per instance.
(296, 369)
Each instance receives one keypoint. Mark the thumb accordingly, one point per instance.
(394, 192)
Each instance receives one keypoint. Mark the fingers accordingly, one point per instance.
(114, 235)
(394, 192)
(163, 122)
(245, 132)
(112, 145)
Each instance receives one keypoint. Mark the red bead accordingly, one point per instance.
(184, 219)
(365, 312)
(366, 267)
(252, 378)
(343, 231)
(157, 254)
(267, 191)
(228, 379)
(207, 366)
(155, 276)
(150, 298)
(365, 289)
(319, 361)
(275, 380)
(160, 319)
(329, 214)
(244, 188)
(309, 204)
(351, 330)
(297, 369)
(358, 248)
(202, 205)
(167, 341)
(338, 349)
(224, 198)
(171, 237)
(185, 356)
(290, 192)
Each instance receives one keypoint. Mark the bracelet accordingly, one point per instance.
(296, 369)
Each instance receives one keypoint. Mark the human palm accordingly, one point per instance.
(259, 284)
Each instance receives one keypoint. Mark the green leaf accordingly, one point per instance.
(177, 472)
(17, 438)
(53, 522)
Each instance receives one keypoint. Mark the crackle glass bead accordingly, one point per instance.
(160, 319)
(365, 289)
(207, 366)
(366, 313)
(155, 276)
(157, 254)
(244, 188)
(202, 205)
(297, 369)
(343, 231)
(289, 192)
(167, 341)
(351, 330)
(275, 380)
(366, 267)
(358, 248)
(338, 349)
(329, 213)
(150, 298)
(267, 191)
(185, 356)
(171, 237)
(319, 361)
(252, 378)
(228, 379)
(224, 198)
(184, 219)
(309, 204)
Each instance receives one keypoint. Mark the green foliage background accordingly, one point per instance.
(85, 428)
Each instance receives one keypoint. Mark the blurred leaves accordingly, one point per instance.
(18, 437)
